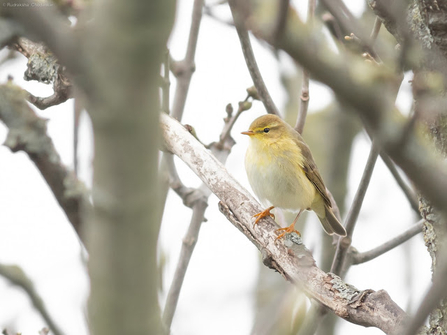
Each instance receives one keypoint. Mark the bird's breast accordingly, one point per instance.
(277, 177)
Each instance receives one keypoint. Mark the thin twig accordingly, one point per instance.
(16, 276)
(252, 66)
(358, 258)
(304, 103)
(304, 96)
(349, 24)
(166, 83)
(196, 199)
(186, 67)
(408, 192)
(189, 242)
(375, 31)
(345, 242)
(243, 106)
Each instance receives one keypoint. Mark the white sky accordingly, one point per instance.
(217, 293)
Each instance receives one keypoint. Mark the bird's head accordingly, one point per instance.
(267, 129)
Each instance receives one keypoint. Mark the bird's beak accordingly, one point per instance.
(248, 132)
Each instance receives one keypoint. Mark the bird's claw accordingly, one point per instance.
(286, 230)
(263, 214)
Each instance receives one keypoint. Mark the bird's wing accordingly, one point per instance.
(311, 170)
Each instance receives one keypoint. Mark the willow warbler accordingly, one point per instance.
(283, 174)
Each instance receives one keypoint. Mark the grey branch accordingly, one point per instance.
(16, 276)
(345, 242)
(358, 258)
(54, 30)
(185, 68)
(198, 201)
(372, 99)
(28, 132)
(249, 56)
(291, 259)
(43, 67)
(304, 96)
(408, 192)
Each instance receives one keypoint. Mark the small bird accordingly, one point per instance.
(283, 174)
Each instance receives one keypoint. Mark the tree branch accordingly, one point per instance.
(345, 242)
(304, 96)
(16, 276)
(189, 242)
(362, 257)
(408, 192)
(27, 132)
(372, 98)
(43, 67)
(291, 259)
(185, 68)
(249, 56)
(54, 30)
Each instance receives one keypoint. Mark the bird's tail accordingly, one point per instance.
(330, 223)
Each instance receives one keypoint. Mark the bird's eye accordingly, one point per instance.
(266, 130)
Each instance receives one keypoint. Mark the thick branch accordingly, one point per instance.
(291, 258)
(28, 132)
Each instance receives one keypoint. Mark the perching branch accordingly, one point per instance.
(291, 259)
(17, 277)
(28, 132)
(249, 56)
(363, 257)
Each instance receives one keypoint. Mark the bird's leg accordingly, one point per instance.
(290, 228)
(263, 214)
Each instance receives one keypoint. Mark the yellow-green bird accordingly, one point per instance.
(283, 174)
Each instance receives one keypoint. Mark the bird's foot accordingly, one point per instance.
(286, 230)
(263, 214)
